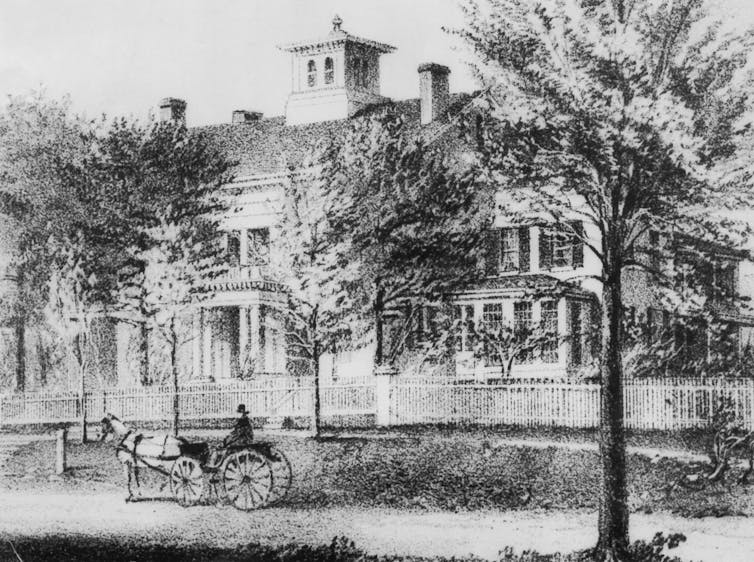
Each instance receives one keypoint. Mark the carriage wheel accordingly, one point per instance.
(186, 481)
(247, 480)
(282, 475)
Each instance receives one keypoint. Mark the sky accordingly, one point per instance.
(122, 57)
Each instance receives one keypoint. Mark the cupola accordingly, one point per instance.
(334, 76)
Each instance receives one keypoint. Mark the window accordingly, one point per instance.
(550, 326)
(311, 73)
(509, 250)
(364, 73)
(329, 71)
(492, 319)
(522, 329)
(259, 246)
(464, 315)
(233, 247)
(357, 72)
(725, 281)
(561, 248)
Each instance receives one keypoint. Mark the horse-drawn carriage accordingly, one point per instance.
(248, 475)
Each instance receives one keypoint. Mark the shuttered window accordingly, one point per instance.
(510, 256)
(561, 249)
(508, 250)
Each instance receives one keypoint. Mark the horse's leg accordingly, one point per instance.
(745, 477)
(136, 477)
(127, 468)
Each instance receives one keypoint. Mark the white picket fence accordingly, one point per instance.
(649, 404)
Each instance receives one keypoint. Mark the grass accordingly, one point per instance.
(433, 469)
(79, 549)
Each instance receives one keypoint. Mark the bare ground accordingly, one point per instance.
(377, 531)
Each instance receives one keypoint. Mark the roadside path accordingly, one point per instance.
(651, 452)
(9, 442)
(378, 531)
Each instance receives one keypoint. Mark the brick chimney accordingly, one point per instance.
(434, 91)
(241, 116)
(173, 109)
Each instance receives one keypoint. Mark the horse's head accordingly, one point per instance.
(107, 428)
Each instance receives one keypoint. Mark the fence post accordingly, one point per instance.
(60, 451)
(385, 377)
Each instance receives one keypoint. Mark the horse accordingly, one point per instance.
(136, 450)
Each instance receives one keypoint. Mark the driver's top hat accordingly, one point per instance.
(242, 409)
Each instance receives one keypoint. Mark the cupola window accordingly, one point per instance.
(357, 72)
(311, 73)
(364, 73)
(329, 71)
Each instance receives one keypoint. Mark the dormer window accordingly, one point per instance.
(329, 71)
(311, 73)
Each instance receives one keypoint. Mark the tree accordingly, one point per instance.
(307, 263)
(168, 183)
(625, 116)
(39, 139)
(509, 345)
(408, 223)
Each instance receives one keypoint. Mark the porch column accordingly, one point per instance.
(243, 341)
(243, 247)
(206, 340)
(197, 333)
(254, 345)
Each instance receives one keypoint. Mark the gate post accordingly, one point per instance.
(385, 377)
(60, 461)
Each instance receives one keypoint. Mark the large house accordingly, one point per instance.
(534, 277)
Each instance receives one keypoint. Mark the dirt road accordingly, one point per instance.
(377, 531)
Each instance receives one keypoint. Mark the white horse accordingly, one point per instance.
(136, 450)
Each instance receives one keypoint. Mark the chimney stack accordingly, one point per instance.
(241, 116)
(434, 91)
(173, 109)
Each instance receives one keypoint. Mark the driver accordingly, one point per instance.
(242, 433)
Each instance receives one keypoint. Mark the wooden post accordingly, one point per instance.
(60, 464)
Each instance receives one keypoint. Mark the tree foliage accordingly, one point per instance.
(408, 223)
(629, 116)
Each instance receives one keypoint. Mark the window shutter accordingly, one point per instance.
(524, 255)
(578, 244)
(545, 248)
(492, 253)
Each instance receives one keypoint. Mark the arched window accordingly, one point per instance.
(311, 74)
(357, 72)
(364, 73)
(329, 71)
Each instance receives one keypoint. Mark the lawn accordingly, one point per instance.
(78, 549)
(431, 469)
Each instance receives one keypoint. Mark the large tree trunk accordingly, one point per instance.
(379, 309)
(20, 352)
(613, 505)
(79, 341)
(174, 371)
(317, 402)
(144, 353)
